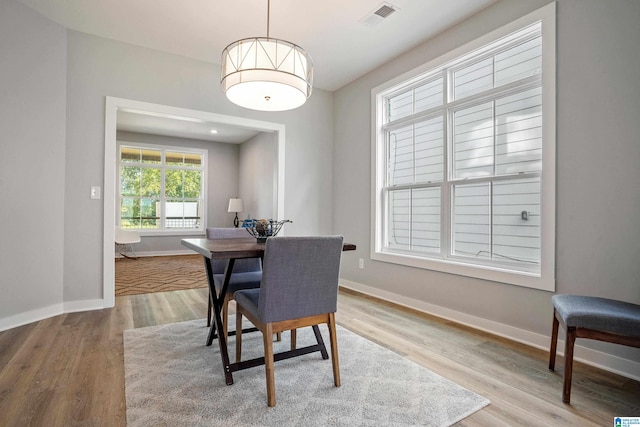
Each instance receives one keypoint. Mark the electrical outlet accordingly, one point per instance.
(361, 264)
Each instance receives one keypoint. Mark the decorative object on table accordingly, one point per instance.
(266, 74)
(248, 223)
(236, 205)
(264, 228)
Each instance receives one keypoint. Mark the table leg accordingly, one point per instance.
(222, 341)
(212, 297)
(216, 324)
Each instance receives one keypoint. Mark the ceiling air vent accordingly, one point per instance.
(377, 16)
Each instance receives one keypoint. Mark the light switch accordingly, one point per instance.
(95, 192)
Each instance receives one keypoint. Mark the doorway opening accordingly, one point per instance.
(115, 105)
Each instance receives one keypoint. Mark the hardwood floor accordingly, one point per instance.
(69, 370)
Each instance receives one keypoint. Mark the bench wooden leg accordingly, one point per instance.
(554, 342)
(568, 363)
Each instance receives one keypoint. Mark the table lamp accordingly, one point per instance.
(236, 205)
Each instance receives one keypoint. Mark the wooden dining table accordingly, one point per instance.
(231, 250)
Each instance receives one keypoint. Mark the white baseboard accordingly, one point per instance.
(162, 253)
(83, 305)
(30, 316)
(608, 362)
(52, 310)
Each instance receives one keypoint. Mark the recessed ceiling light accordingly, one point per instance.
(214, 131)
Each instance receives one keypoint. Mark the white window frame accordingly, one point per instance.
(544, 277)
(163, 150)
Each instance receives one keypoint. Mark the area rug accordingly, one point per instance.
(173, 379)
(159, 274)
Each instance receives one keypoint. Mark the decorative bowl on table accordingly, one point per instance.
(264, 228)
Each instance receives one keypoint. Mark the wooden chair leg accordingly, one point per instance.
(238, 335)
(267, 337)
(554, 342)
(568, 363)
(334, 349)
(294, 338)
(278, 336)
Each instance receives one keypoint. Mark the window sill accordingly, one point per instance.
(166, 233)
(539, 281)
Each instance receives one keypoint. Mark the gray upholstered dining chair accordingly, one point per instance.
(247, 273)
(299, 289)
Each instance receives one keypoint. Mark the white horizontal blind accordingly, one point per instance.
(489, 224)
(479, 147)
(415, 100)
(415, 219)
(417, 153)
(507, 66)
(515, 238)
(518, 128)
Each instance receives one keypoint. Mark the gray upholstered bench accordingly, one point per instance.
(594, 318)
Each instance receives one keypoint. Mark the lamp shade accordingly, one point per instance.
(236, 205)
(266, 74)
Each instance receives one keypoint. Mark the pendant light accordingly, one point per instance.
(266, 74)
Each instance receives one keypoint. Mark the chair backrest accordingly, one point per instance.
(300, 277)
(126, 237)
(241, 265)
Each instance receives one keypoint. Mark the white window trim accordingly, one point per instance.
(160, 147)
(545, 280)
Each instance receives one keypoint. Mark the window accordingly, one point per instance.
(464, 167)
(162, 189)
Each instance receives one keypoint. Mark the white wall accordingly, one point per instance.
(32, 164)
(598, 153)
(258, 177)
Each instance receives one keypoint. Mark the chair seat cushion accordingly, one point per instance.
(600, 314)
(248, 299)
(239, 281)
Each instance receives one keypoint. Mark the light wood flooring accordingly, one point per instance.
(68, 370)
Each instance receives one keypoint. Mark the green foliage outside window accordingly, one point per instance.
(141, 197)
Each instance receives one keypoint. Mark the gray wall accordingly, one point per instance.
(32, 163)
(52, 117)
(56, 259)
(598, 178)
(222, 184)
(259, 176)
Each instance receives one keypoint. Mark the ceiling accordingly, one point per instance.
(333, 32)
(184, 127)
(342, 47)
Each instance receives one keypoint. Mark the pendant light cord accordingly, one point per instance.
(268, 11)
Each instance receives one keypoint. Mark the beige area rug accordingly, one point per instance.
(159, 274)
(173, 379)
